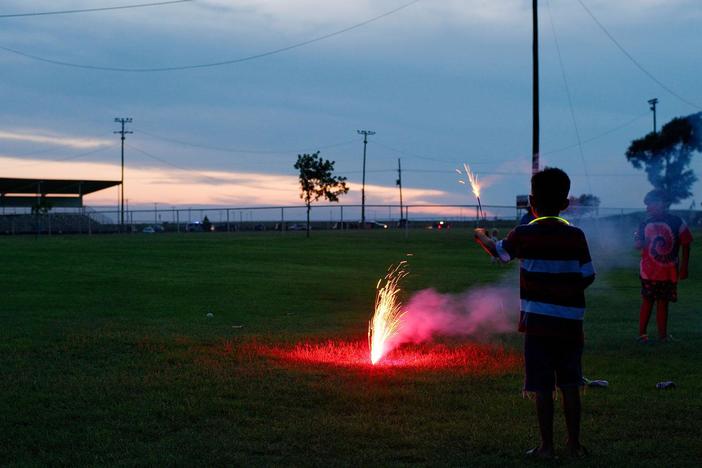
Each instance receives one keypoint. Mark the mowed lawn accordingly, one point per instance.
(107, 356)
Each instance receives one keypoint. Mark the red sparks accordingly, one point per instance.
(470, 358)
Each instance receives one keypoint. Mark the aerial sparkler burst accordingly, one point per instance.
(474, 185)
(388, 311)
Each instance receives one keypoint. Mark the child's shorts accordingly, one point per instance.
(552, 361)
(659, 290)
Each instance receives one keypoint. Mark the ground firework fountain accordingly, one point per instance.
(388, 311)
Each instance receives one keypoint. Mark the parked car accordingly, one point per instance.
(298, 227)
(439, 225)
(368, 225)
(195, 226)
(149, 230)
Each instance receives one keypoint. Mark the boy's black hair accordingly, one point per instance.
(549, 189)
(657, 195)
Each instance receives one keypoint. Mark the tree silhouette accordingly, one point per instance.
(666, 155)
(317, 181)
(583, 205)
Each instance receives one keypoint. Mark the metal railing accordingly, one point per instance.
(90, 220)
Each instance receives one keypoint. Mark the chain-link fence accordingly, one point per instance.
(289, 218)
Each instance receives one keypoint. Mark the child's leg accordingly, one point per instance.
(571, 410)
(544, 414)
(644, 314)
(662, 318)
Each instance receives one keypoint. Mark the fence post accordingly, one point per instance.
(282, 219)
(177, 213)
(342, 218)
(228, 230)
(406, 222)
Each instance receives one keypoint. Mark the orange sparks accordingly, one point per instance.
(388, 311)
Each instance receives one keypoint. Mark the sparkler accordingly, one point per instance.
(388, 311)
(474, 185)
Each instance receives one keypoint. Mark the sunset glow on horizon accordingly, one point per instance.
(147, 185)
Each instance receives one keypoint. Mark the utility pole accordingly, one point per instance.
(535, 103)
(653, 103)
(122, 132)
(365, 134)
(399, 183)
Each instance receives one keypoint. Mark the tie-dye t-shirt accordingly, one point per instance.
(660, 238)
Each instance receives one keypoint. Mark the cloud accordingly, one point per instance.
(176, 187)
(37, 136)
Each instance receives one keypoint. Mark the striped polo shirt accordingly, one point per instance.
(555, 269)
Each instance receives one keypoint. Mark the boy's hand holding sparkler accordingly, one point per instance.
(485, 241)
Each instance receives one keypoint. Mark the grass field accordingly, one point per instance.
(108, 357)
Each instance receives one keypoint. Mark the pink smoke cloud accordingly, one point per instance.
(478, 314)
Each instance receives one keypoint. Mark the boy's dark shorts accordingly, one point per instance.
(552, 361)
(659, 290)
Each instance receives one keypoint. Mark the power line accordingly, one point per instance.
(175, 166)
(240, 150)
(418, 156)
(636, 62)
(168, 163)
(570, 98)
(156, 158)
(544, 153)
(68, 158)
(50, 149)
(501, 173)
(598, 136)
(92, 10)
(210, 64)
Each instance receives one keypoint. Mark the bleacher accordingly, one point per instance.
(52, 223)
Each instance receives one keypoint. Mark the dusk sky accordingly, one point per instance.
(442, 82)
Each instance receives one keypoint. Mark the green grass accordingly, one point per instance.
(107, 357)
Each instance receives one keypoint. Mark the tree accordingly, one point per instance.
(317, 181)
(582, 205)
(206, 224)
(666, 155)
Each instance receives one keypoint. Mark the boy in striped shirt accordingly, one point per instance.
(555, 269)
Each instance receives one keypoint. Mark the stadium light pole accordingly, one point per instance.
(365, 134)
(653, 103)
(122, 132)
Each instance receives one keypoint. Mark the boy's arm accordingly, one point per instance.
(587, 269)
(685, 241)
(639, 241)
(684, 261)
(485, 242)
(588, 280)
